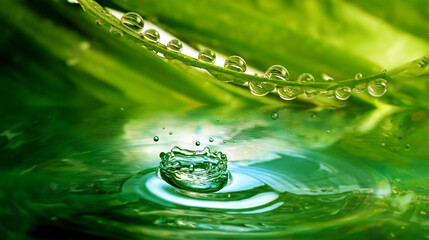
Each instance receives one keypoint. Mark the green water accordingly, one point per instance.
(91, 173)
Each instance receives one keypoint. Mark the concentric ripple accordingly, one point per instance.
(291, 192)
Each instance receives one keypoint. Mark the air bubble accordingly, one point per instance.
(132, 21)
(152, 35)
(211, 140)
(196, 171)
(289, 93)
(175, 45)
(170, 133)
(207, 56)
(343, 93)
(197, 143)
(235, 63)
(377, 87)
(156, 138)
(277, 72)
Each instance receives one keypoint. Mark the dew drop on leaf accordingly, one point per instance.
(277, 72)
(207, 55)
(289, 93)
(235, 63)
(152, 35)
(261, 88)
(343, 93)
(116, 32)
(377, 87)
(175, 45)
(132, 21)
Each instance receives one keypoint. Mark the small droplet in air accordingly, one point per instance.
(235, 63)
(289, 93)
(197, 143)
(175, 45)
(156, 138)
(261, 88)
(132, 21)
(343, 93)
(377, 87)
(196, 171)
(277, 72)
(152, 35)
(207, 55)
(274, 115)
(116, 32)
(211, 139)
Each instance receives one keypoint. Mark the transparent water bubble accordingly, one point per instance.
(207, 55)
(196, 171)
(175, 45)
(116, 32)
(152, 35)
(156, 138)
(343, 93)
(377, 87)
(132, 21)
(170, 133)
(261, 88)
(277, 72)
(289, 93)
(235, 63)
(211, 139)
(197, 143)
(274, 115)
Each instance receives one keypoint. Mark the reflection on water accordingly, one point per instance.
(87, 173)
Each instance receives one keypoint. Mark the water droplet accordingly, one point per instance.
(151, 35)
(343, 93)
(171, 133)
(274, 115)
(99, 22)
(328, 131)
(309, 92)
(235, 63)
(277, 72)
(358, 76)
(377, 87)
(207, 55)
(261, 88)
(197, 143)
(196, 171)
(156, 138)
(289, 93)
(224, 141)
(306, 78)
(360, 87)
(326, 77)
(132, 21)
(407, 146)
(211, 139)
(116, 32)
(330, 94)
(175, 45)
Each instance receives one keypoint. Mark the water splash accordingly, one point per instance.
(196, 171)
